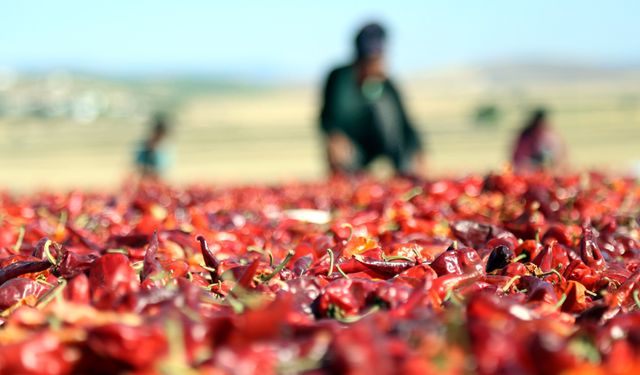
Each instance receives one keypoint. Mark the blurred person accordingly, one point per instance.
(362, 115)
(538, 147)
(152, 157)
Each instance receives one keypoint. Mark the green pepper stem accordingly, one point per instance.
(18, 244)
(261, 251)
(51, 294)
(636, 299)
(561, 302)
(348, 225)
(397, 257)
(417, 254)
(587, 291)
(414, 192)
(552, 272)
(117, 251)
(270, 255)
(331, 261)
(210, 269)
(280, 267)
(342, 272)
(353, 319)
(48, 254)
(512, 280)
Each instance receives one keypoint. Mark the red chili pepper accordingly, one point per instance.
(559, 234)
(420, 271)
(457, 262)
(510, 242)
(576, 300)
(137, 347)
(388, 268)
(209, 259)
(550, 353)
(150, 264)
(301, 265)
(111, 279)
(249, 272)
(348, 295)
(530, 248)
(622, 295)
(16, 290)
(38, 250)
(348, 266)
(418, 298)
(21, 268)
(130, 240)
(500, 257)
(471, 233)
(513, 269)
(589, 251)
(84, 238)
(39, 354)
(544, 259)
(578, 271)
(72, 264)
(538, 289)
(77, 290)
(443, 284)
(473, 288)
(504, 306)
(447, 263)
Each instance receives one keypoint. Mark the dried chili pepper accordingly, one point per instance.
(72, 264)
(589, 250)
(150, 264)
(499, 258)
(21, 268)
(389, 268)
(209, 259)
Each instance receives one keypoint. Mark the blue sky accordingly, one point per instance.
(302, 39)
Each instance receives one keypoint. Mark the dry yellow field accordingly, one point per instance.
(269, 135)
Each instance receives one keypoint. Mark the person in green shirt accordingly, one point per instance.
(362, 115)
(153, 156)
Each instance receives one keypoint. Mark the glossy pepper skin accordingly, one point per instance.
(16, 290)
(209, 259)
(72, 263)
(499, 258)
(49, 356)
(22, 267)
(589, 250)
(390, 268)
(111, 280)
(508, 274)
(151, 264)
(457, 262)
(128, 347)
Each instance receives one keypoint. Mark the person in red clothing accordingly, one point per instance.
(538, 147)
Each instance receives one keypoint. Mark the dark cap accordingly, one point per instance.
(370, 41)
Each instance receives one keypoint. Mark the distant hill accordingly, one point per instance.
(86, 96)
(497, 72)
(526, 73)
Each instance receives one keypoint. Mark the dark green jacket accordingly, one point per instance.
(372, 116)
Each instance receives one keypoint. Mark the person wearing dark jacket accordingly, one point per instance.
(362, 115)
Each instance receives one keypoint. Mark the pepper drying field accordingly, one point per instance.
(501, 274)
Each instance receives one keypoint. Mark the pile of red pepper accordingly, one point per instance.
(505, 274)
